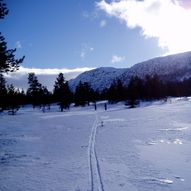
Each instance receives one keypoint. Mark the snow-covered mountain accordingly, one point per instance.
(99, 78)
(172, 67)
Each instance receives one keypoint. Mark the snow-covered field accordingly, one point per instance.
(142, 149)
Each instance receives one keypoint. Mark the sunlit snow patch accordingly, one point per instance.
(162, 141)
(181, 126)
(177, 141)
(176, 129)
(163, 181)
(114, 120)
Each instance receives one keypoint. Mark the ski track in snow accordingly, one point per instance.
(96, 182)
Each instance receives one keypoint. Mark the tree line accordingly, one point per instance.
(138, 89)
(11, 98)
(39, 96)
(149, 88)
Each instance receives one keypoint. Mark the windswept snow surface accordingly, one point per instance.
(142, 149)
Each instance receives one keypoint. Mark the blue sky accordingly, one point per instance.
(73, 34)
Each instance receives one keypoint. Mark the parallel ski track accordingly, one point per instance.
(96, 182)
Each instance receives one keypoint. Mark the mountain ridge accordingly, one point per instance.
(171, 67)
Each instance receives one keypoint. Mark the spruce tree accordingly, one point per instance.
(133, 89)
(45, 98)
(116, 92)
(62, 93)
(12, 100)
(84, 94)
(79, 97)
(34, 92)
(8, 62)
(3, 93)
(58, 87)
(3, 9)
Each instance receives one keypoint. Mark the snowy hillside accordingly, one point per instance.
(141, 149)
(172, 67)
(99, 78)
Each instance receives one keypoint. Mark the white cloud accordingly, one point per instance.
(91, 49)
(103, 23)
(167, 20)
(18, 45)
(46, 76)
(82, 55)
(85, 50)
(116, 59)
(47, 71)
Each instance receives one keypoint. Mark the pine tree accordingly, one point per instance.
(134, 93)
(79, 97)
(58, 87)
(3, 9)
(45, 98)
(89, 94)
(153, 88)
(116, 92)
(3, 93)
(12, 100)
(8, 62)
(62, 93)
(34, 91)
(84, 94)
(112, 93)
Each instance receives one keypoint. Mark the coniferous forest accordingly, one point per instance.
(138, 89)
(148, 89)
